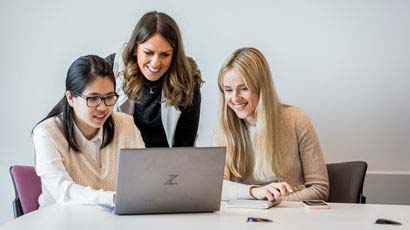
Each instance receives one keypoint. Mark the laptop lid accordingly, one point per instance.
(169, 180)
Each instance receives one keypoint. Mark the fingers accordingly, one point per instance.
(275, 192)
(269, 195)
(286, 188)
(283, 190)
(272, 191)
(267, 192)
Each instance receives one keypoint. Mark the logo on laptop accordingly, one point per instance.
(171, 179)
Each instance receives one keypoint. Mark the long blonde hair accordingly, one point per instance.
(254, 69)
(182, 75)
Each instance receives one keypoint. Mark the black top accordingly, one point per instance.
(147, 116)
(187, 127)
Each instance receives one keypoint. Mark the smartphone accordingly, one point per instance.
(315, 204)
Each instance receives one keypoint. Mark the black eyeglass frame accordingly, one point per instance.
(102, 98)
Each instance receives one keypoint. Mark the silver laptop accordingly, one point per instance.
(169, 180)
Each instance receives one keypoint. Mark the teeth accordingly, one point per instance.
(101, 116)
(153, 69)
(239, 106)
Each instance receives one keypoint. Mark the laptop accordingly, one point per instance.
(169, 180)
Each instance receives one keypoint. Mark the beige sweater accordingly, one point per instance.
(51, 147)
(303, 161)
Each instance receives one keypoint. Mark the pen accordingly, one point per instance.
(257, 219)
(387, 221)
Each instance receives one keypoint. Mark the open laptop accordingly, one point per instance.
(169, 180)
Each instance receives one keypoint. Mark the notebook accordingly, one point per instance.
(169, 180)
(253, 204)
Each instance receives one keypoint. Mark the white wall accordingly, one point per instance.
(346, 63)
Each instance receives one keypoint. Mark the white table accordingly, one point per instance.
(288, 215)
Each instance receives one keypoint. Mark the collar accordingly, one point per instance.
(82, 140)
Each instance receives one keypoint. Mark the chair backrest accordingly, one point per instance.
(27, 187)
(346, 182)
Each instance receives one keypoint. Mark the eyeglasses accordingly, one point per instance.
(95, 101)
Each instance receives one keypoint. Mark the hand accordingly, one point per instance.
(272, 191)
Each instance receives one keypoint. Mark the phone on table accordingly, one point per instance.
(315, 204)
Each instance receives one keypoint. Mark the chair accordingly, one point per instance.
(346, 182)
(27, 187)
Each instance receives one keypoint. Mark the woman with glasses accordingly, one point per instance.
(158, 84)
(76, 146)
(272, 149)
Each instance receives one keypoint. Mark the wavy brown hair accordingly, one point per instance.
(182, 75)
(255, 71)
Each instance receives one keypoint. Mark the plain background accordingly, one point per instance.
(346, 63)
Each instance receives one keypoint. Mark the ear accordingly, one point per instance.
(69, 98)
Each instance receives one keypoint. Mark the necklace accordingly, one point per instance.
(150, 90)
(152, 87)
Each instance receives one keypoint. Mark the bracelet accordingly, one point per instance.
(250, 189)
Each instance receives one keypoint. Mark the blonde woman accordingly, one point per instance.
(271, 147)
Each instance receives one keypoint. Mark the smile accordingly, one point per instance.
(239, 107)
(152, 69)
(100, 117)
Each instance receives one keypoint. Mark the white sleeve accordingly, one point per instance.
(54, 177)
(232, 190)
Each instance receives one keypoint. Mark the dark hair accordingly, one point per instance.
(181, 76)
(81, 73)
